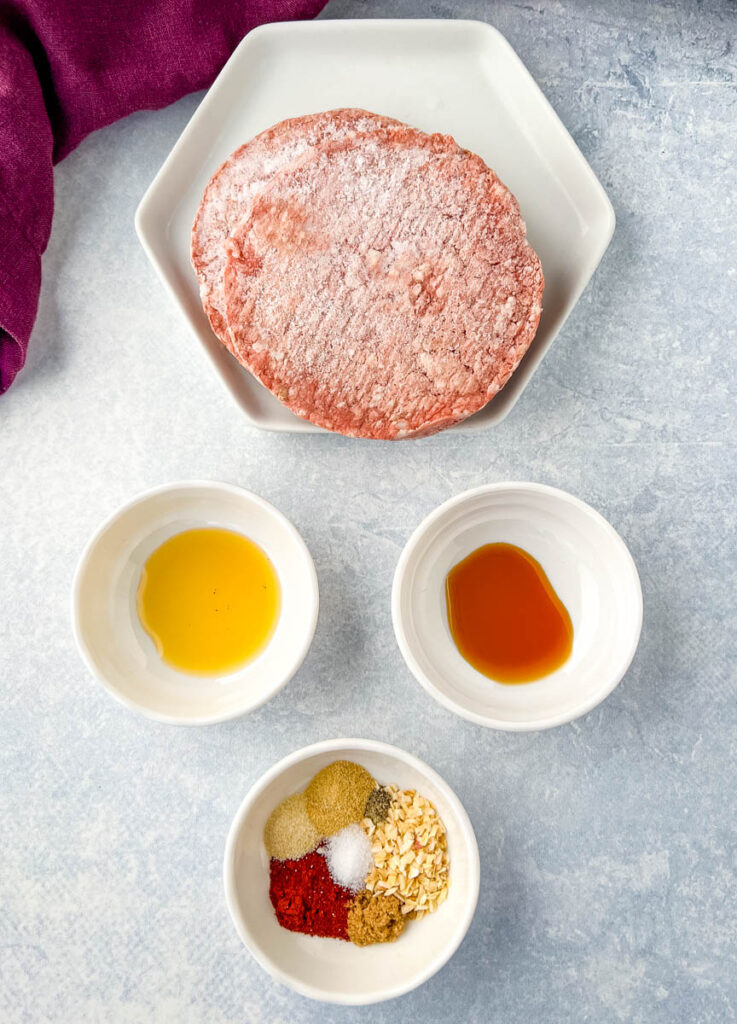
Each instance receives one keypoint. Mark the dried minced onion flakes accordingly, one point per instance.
(410, 851)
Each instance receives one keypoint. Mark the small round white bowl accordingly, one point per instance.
(120, 653)
(329, 969)
(590, 569)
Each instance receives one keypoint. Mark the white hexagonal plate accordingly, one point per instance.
(457, 77)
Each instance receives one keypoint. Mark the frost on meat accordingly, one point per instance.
(229, 193)
(378, 282)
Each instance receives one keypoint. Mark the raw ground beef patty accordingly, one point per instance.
(228, 195)
(381, 285)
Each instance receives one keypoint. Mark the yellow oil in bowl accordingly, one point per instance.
(210, 600)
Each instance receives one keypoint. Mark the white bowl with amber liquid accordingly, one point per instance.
(586, 562)
(334, 970)
(122, 655)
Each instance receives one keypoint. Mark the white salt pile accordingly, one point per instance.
(349, 858)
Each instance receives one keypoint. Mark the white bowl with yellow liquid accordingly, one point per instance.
(589, 568)
(122, 654)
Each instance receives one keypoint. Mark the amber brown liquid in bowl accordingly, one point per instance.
(504, 615)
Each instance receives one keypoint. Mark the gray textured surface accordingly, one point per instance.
(608, 847)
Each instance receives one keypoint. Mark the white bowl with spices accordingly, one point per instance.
(330, 969)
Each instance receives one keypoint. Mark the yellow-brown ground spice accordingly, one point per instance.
(375, 919)
(337, 796)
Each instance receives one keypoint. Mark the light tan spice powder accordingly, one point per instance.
(289, 834)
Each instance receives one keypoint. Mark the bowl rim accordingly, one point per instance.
(469, 838)
(84, 559)
(546, 722)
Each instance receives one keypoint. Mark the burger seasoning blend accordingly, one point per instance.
(355, 860)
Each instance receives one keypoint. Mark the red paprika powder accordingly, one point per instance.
(306, 899)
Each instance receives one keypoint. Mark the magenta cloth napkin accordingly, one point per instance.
(68, 67)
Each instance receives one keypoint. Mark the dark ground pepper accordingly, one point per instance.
(377, 805)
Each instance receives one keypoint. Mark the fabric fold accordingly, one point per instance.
(20, 286)
(68, 67)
